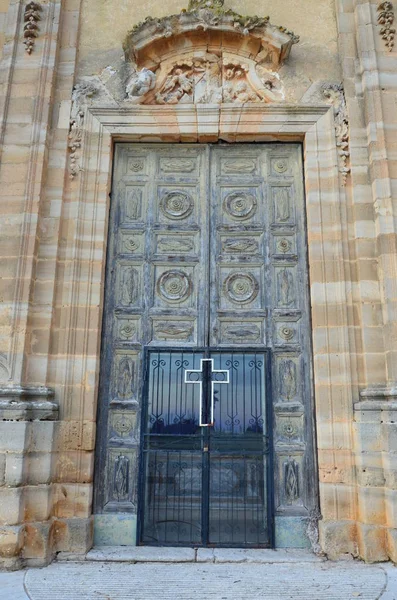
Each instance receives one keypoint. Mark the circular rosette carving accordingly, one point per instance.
(241, 287)
(240, 205)
(174, 286)
(176, 205)
(280, 165)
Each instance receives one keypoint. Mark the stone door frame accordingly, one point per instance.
(314, 126)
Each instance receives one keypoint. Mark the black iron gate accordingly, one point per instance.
(206, 464)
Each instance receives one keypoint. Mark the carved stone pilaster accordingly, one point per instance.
(27, 403)
(31, 27)
(386, 20)
(336, 95)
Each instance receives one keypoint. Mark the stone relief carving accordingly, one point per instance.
(81, 94)
(123, 424)
(386, 20)
(241, 287)
(280, 165)
(131, 244)
(129, 286)
(125, 378)
(235, 86)
(180, 331)
(140, 83)
(176, 205)
(286, 333)
(177, 165)
(175, 286)
(291, 480)
(121, 477)
(336, 95)
(281, 197)
(31, 18)
(133, 204)
(287, 379)
(283, 245)
(239, 165)
(136, 165)
(245, 333)
(285, 287)
(240, 205)
(239, 245)
(178, 86)
(170, 244)
(127, 330)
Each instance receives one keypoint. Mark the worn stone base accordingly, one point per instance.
(338, 539)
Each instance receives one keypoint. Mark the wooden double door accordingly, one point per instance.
(207, 254)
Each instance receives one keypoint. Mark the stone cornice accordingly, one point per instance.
(27, 403)
(207, 17)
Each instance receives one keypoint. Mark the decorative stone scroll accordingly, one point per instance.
(386, 20)
(336, 95)
(31, 28)
(81, 93)
(169, 65)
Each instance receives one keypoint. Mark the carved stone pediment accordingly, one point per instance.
(207, 24)
(206, 54)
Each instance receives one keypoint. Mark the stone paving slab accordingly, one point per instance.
(242, 555)
(200, 555)
(141, 554)
(121, 581)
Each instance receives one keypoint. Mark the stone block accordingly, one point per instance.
(10, 506)
(2, 468)
(371, 505)
(14, 436)
(73, 535)
(75, 435)
(74, 467)
(42, 436)
(391, 508)
(372, 543)
(389, 437)
(37, 503)
(15, 473)
(73, 500)
(338, 539)
(11, 540)
(390, 470)
(367, 437)
(37, 541)
(391, 543)
(39, 465)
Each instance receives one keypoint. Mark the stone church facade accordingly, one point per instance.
(199, 276)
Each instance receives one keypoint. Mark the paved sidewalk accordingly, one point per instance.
(125, 574)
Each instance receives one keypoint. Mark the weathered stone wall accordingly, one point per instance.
(53, 242)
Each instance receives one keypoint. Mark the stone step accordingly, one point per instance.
(151, 554)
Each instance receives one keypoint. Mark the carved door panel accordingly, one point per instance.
(206, 248)
(157, 269)
(259, 294)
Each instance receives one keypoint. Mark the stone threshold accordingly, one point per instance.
(151, 554)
